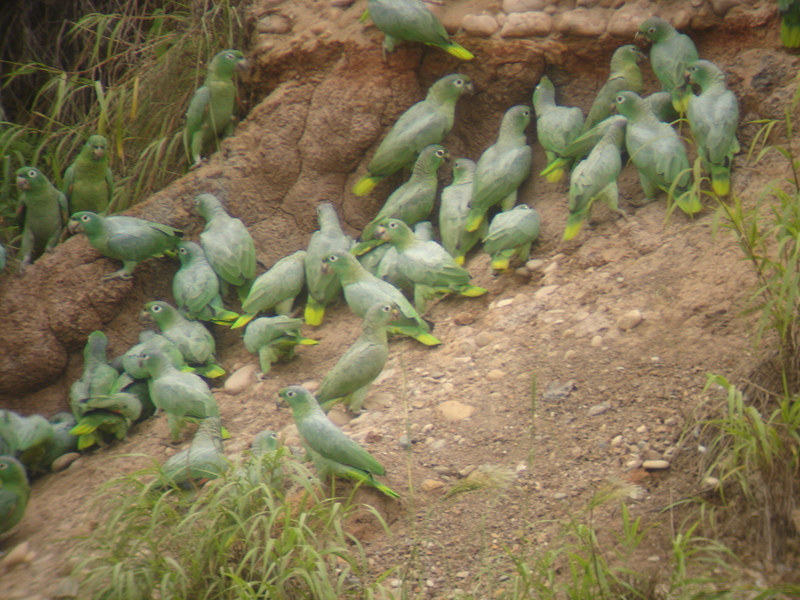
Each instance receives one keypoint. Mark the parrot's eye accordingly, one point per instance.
(333, 258)
(3, 466)
(459, 82)
(182, 250)
(392, 225)
(155, 309)
(31, 173)
(86, 218)
(620, 99)
(290, 394)
(387, 308)
(230, 55)
(526, 112)
(440, 153)
(651, 30)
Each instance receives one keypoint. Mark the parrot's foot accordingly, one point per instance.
(121, 274)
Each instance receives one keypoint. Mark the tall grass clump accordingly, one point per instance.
(127, 70)
(241, 537)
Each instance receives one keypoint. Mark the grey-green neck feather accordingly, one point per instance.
(512, 129)
(209, 207)
(463, 171)
(544, 97)
(328, 219)
(94, 353)
(427, 164)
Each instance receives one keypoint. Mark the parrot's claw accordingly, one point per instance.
(118, 275)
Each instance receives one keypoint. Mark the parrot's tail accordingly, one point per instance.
(474, 219)
(574, 224)
(721, 175)
(363, 247)
(365, 185)
(210, 371)
(689, 203)
(790, 33)
(458, 51)
(501, 263)
(314, 312)
(471, 291)
(557, 165)
(242, 321)
(383, 488)
(459, 260)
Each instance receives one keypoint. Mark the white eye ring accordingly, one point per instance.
(156, 309)
(31, 173)
(86, 218)
(440, 153)
(290, 394)
(3, 466)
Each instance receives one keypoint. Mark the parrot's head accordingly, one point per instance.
(11, 470)
(433, 155)
(625, 103)
(462, 168)
(629, 54)
(265, 441)
(150, 361)
(187, 251)
(453, 86)
(30, 178)
(228, 61)
(654, 29)
(518, 117)
(157, 312)
(206, 205)
(382, 313)
(702, 72)
(296, 396)
(337, 262)
(97, 145)
(389, 230)
(85, 221)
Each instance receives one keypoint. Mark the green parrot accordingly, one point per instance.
(670, 54)
(657, 152)
(148, 341)
(202, 461)
(511, 233)
(273, 338)
(196, 287)
(661, 105)
(371, 259)
(362, 289)
(424, 124)
(43, 213)
(98, 377)
(194, 341)
(25, 438)
(277, 288)
(595, 178)
(625, 75)
(209, 117)
(14, 492)
(556, 126)
(502, 167)
(387, 269)
(226, 241)
(352, 375)
(411, 21)
(183, 396)
(322, 437)
(714, 117)
(88, 182)
(63, 441)
(413, 201)
(453, 211)
(128, 239)
(323, 288)
(426, 264)
(790, 23)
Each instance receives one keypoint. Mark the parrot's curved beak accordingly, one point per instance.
(381, 233)
(326, 268)
(395, 314)
(98, 153)
(470, 88)
(73, 226)
(243, 65)
(23, 183)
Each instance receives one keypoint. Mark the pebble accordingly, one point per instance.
(495, 375)
(484, 338)
(339, 416)
(545, 291)
(453, 410)
(431, 484)
(405, 441)
(240, 380)
(480, 25)
(534, 264)
(504, 302)
(625, 22)
(641, 429)
(462, 574)
(569, 354)
(20, 554)
(599, 409)
(527, 24)
(597, 341)
(277, 24)
(516, 6)
(438, 444)
(342, 3)
(559, 495)
(629, 320)
(651, 455)
(65, 460)
(655, 465)
(617, 441)
(581, 22)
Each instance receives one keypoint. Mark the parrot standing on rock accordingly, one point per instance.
(43, 213)
(14, 492)
(209, 117)
(511, 233)
(277, 288)
(226, 241)
(195, 286)
(273, 338)
(413, 201)
(427, 122)
(411, 21)
(340, 455)
(670, 53)
(714, 117)
(502, 167)
(426, 264)
(556, 126)
(657, 152)
(88, 182)
(362, 289)
(128, 239)
(323, 288)
(202, 461)
(453, 211)
(351, 377)
(625, 75)
(595, 178)
(194, 341)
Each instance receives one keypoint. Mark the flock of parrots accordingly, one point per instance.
(168, 370)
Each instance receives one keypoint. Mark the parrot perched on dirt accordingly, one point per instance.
(352, 375)
(625, 75)
(411, 21)
(413, 201)
(595, 178)
(148, 341)
(387, 269)
(657, 152)
(426, 264)
(424, 124)
(273, 338)
(362, 289)
(43, 213)
(63, 441)
(191, 337)
(209, 117)
(202, 461)
(183, 396)
(323, 288)
(25, 438)
(322, 437)
(226, 241)
(277, 288)
(195, 286)
(670, 53)
(453, 211)
(511, 233)
(790, 23)
(556, 126)
(128, 239)
(714, 117)
(88, 182)
(502, 167)
(14, 492)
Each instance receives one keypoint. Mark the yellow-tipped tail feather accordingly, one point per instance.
(559, 163)
(459, 51)
(474, 219)
(365, 185)
(459, 260)
(242, 321)
(574, 224)
(555, 176)
(689, 203)
(314, 312)
(500, 263)
(721, 180)
(427, 339)
(364, 247)
(790, 35)
(211, 371)
(471, 291)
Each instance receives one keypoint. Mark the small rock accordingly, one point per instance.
(438, 444)
(559, 495)
(395, 583)
(341, 3)
(63, 461)
(276, 24)
(597, 341)
(545, 291)
(495, 375)
(617, 441)
(405, 441)
(480, 25)
(583, 23)
(240, 380)
(66, 588)
(522, 271)
(20, 554)
(553, 266)
(484, 338)
(431, 484)
(453, 410)
(534, 264)
(569, 354)
(558, 390)
(655, 465)
(504, 302)
(651, 455)
(518, 6)
(641, 429)
(527, 24)
(464, 319)
(462, 574)
(599, 409)
(625, 22)
(629, 320)
(711, 482)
